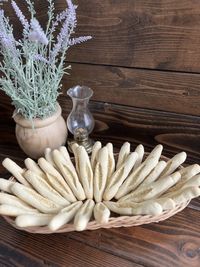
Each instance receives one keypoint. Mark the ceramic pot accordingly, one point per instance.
(50, 132)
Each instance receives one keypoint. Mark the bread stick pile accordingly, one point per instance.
(55, 191)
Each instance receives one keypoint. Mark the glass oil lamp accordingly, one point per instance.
(80, 121)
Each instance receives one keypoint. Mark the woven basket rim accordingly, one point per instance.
(114, 222)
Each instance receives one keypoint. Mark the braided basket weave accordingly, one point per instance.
(114, 221)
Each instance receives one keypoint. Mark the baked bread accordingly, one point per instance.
(101, 213)
(111, 160)
(119, 176)
(123, 154)
(100, 174)
(56, 180)
(85, 171)
(54, 192)
(64, 216)
(83, 215)
(69, 173)
(95, 150)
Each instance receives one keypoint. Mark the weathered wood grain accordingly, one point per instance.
(54, 250)
(174, 242)
(121, 123)
(129, 34)
(159, 90)
(143, 34)
(19, 258)
(134, 33)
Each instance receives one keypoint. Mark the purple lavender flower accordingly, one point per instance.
(66, 30)
(79, 40)
(37, 34)
(60, 38)
(39, 57)
(20, 15)
(8, 43)
(7, 39)
(72, 14)
(62, 15)
(59, 18)
(2, 24)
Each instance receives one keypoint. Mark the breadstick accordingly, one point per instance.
(95, 150)
(152, 190)
(101, 213)
(155, 153)
(137, 177)
(33, 220)
(14, 201)
(123, 154)
(83, 215)
(33, 166)
(189, 172)
(42, 187)
(74, 149)
(14, 211)
(111, 160)
(100, 174)
(119, 176)
(173, 164)
(5, 185)
(34, 199)
(56, 180)
(85, 171)
(48, 156)
(140, 151)
(155, 173)
(65, 154)
(130, 208)
(193, 181)
(185, 194)
(166, 203)
(70, 175)
(52, 180)
(153, 176)
(64, 216)
(15, 170)
(186, 174)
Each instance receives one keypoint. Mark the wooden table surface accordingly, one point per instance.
(174, 242)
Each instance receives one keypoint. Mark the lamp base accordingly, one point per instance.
(82, 139)
(87, 144)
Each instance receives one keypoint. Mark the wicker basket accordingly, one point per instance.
(114, 221)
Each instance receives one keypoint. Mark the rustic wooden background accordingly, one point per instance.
(144, 67)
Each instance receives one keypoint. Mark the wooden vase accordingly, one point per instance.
(50, 132)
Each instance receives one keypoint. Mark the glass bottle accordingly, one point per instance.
(80, 121)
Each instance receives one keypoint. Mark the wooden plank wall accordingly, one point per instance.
(143, 53)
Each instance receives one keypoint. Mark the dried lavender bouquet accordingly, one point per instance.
(33, 66)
